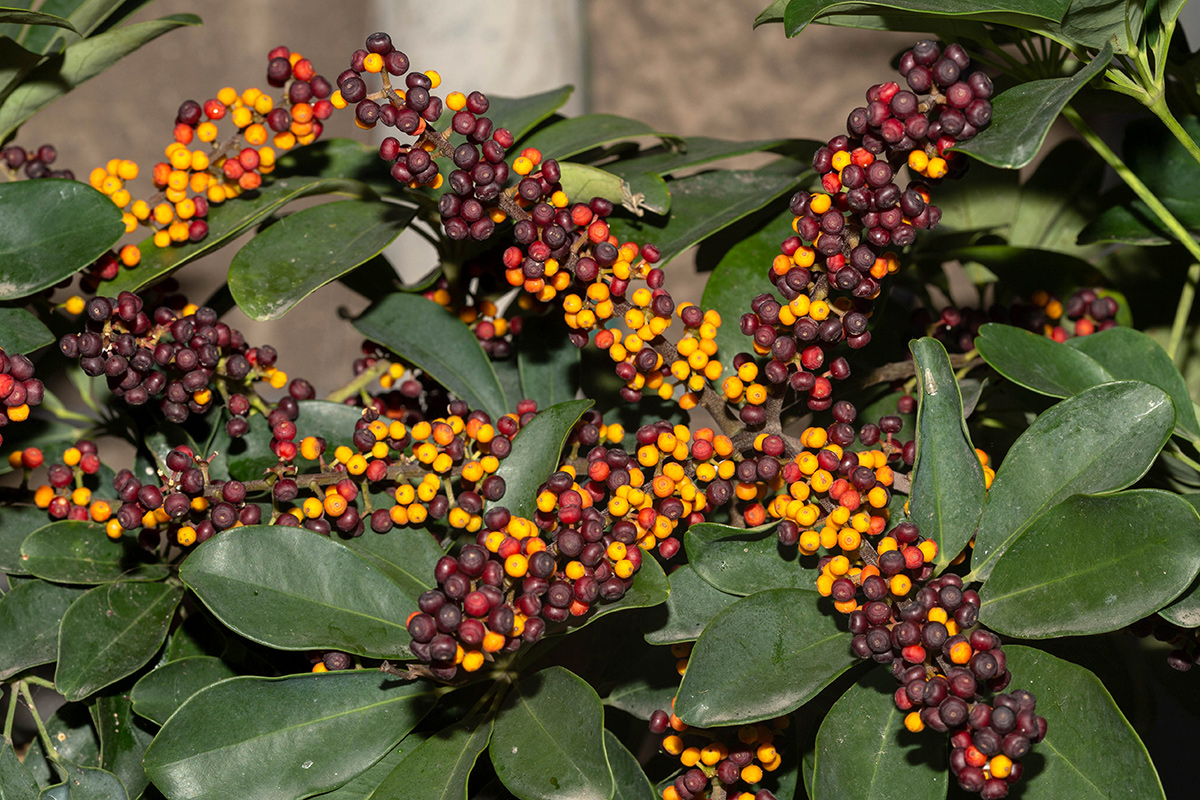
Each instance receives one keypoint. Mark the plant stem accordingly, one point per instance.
(1159, 108)
(47, 742)
(360, 381)
(11, 715)
(1187, 294)
(34, 680)
(1182, 311)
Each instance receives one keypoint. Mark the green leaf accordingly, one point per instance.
(705, 203)
(1090, 751)
(736, 281)
(74, 735)
(743, 561)
(20, 16)
(1022, 116)
(158, 693)
(22, 332)
(440, 766)
(536, 450)
(15, 63)
(50, 229)
(110, 632)
(646, 680)
(1100, 440)
(693, 151)
(80, 552)
(123, 740)
(293, 589)
(78, 63)
(16, 782)
(799, 13)
(548, 362)
(643, 190)
(87, 783)
(692, 604)
(363, 785)
(1096, 23)
(427, 335)
(1132, 223)
(1078, 568)
(1058, 200)
(1127, 354)
(568, 137)
(29, 617)
(521, 114)
(405, 555)
(628, 776)
(947, 486)
(548, 740)
(308, 249)
(863, 743)
(1037, 362)
(282, 738)
(786, 648)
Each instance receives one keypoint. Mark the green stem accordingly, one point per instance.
(11, 715)
(1160, 110)
(34, 680)
(1178, 455)
(361, 381)
(47, 742)
(1183, 310)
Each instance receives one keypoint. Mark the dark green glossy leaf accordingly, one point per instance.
(50, 229)
(542, 751)
(645, 680)
(1022, 116)
(693, 151)
(20, 16)
(87, 783)
(1127, 355)
(29, 617)
(123, 740)
(863, 743)
(536, 451)
(110, 632)
(628, 776)
(1095, 23)
(15, 62)
(799, 13)
(440, 766)
(1078, 568)
(736, 281)
(22, 332)
(293, 589)
(703, 204)
(1090, 751)
(16, 782)
(79, 62)
(521, 114)
(571, 136)
(947, 485)
(282, 738)
(1184, 611)
(1038, 362)
(743, 561)
(74, 735)
(80, 552)
(786, 648)
(422, 332)
(363, 785)
(225, 223)
(1100, 440)
(692, 604)
(160, 692)
(306, 250)
(548, 362)
(405, 555)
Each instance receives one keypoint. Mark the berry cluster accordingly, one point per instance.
(36, 162)
(1185, 641)
(65, 496)
(707, 758)
(19, 390)
(180, 353)
(192, 179)
(945, 669)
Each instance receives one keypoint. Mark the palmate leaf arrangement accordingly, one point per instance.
(828, 540)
